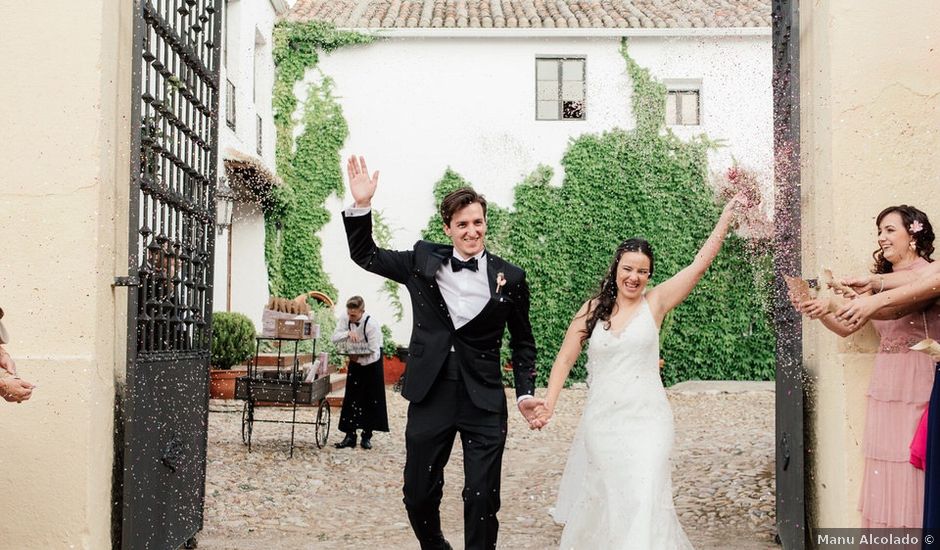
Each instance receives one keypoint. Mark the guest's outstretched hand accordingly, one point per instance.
(7, 363)
(361, 185)
(857, 312)
(15, 390)
(858, 285)
(815, 308)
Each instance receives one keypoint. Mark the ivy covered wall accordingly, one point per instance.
(309, 164)
(644, 183)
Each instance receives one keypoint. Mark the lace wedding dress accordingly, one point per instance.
(616, 492)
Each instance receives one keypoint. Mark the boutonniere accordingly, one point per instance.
(500, 281)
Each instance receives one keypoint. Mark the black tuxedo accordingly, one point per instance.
(451, 392)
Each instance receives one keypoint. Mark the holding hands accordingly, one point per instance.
(536, 413)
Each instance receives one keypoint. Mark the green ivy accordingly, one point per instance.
(382, 232)
(309, 164)
(644, 183)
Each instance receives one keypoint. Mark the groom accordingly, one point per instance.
(463, 298)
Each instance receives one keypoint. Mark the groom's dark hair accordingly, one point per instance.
(458, 199)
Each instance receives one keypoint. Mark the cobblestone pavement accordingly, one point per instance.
(345, 498)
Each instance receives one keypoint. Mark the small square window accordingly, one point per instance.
(683, 108)
(560, 88)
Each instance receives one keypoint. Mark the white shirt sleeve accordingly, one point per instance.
(353, 211)
(342, 329)
(374, 335)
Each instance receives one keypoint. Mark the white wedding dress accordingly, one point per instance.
(616, 492)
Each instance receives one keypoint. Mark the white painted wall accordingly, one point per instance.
(246, 20)
(64, 199)
(418, 105)
(249, 65)
(249, 272)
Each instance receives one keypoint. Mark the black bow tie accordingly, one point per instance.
(355, 323)
(457, 264)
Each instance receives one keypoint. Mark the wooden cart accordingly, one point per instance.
(283, 386)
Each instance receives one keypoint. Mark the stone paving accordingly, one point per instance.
(723, 478)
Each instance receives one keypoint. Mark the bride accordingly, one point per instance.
(616, 491)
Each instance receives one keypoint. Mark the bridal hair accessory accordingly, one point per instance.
(915, 227)
(500, 281)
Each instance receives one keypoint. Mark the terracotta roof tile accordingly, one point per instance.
(588, 14)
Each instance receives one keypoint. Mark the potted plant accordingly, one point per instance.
(233, 343)
(394, 363)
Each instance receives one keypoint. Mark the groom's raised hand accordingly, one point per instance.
(361, 185)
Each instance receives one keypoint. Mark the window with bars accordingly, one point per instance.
(230, 104)
(560, 88)
(683, 107)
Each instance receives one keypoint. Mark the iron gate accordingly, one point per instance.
(791, 505)
(174, 143)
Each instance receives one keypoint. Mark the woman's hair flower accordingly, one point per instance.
(915, 227)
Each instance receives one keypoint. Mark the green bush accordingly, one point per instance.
(389, 346)
(233, 339)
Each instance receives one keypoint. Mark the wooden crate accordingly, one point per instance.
(282, 391)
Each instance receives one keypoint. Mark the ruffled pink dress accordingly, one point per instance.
(892, 488)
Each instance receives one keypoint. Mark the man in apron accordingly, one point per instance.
(364, 402)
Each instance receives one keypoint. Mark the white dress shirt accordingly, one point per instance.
(373, 331)
(465, 292)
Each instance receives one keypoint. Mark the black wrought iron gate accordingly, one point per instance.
(790, 475)
(164, 406)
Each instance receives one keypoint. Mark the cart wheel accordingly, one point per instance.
(246, 425)
(323, 423)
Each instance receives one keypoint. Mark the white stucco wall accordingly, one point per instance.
(249, 272)
(246, 19)
(869, 113)
(65, 128)
(248, 58)
(418, 105)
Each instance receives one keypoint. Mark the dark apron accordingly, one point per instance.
(364, 402)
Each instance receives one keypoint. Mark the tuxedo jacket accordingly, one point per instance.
(477, 343)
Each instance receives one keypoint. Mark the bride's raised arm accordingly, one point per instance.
(670, 293)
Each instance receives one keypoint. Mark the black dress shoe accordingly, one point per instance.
(348, 441)
(366, 442)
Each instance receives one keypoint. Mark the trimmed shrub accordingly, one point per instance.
(233, 339)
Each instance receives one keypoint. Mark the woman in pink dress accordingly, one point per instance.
(892, 488)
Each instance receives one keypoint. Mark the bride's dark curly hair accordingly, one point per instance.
(605, 298)
(923, 238)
